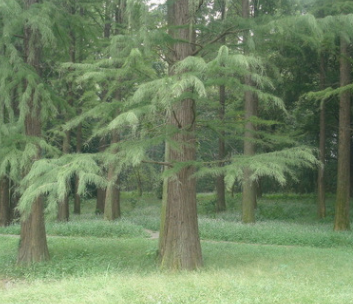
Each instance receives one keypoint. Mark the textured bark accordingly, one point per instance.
(250, 108)
(33, 242)
(321, 205)
(180, 243)
(344, 136)
(5, 215)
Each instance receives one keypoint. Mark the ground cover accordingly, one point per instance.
(124, 271)
(281, 259)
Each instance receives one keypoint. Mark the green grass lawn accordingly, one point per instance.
(281, 259)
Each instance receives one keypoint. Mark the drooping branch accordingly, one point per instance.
(219, 37)
(158, 163)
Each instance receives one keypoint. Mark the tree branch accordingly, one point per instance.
(225, 33)
(157, 163)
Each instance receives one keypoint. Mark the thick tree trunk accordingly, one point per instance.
(5, 215)
(344, 137)
(321, 205)
(180, 243)
(33, 243)
(250, 108)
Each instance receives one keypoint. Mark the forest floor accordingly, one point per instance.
(288, 256)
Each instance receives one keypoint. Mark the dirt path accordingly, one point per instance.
(153, 234)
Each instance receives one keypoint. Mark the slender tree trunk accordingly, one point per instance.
(180, 243)
(321, 205)
(14, 199)
(33, 242)
(5, 216)
(250, 108)
(220, 185)
(112, 208)
(112, 197)
(63, 207)
(77, 198)
(344, 137)
(101, 193)
(139, 182)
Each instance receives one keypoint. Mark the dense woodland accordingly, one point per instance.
(175, 97)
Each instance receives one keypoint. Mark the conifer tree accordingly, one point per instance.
(220, 184)
(33, 245)
(180, 246)
(112, 195)
(321, 207)
(250, 106)
(342, 221)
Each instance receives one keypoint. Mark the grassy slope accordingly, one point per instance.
(292, 268)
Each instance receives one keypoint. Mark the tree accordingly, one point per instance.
(112, 195)
(321, 207)
(220, 184)
(180, 246)
(342, 221)
(33, 244)
(250, 109)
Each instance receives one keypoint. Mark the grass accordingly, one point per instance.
(96, 271)
(287, 257)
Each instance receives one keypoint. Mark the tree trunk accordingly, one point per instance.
(101, 193)
(33, 242)
(321, 205)
(344, 136)
(63, 207)
(77, 198)
(5, 217)
(180, 246)
(250, 108)
(112, 209)
(14, 199)
(220, 185)
(112, 197)
(139, 182)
